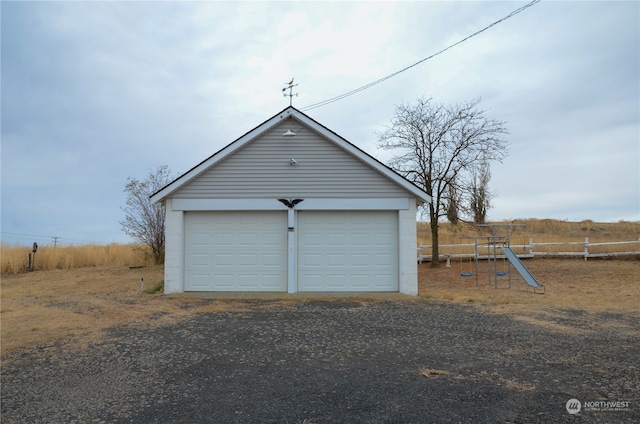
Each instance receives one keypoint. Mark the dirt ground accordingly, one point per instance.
(593, 286)
(87, 346)
(77, 306)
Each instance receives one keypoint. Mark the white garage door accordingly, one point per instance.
(236, 251)
(348, 251)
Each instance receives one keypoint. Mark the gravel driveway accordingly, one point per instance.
(322, 361)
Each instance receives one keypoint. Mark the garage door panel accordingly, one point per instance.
(384, 240)
(348, 251)
(270, 282)
(336, 239)
(247, 261)
(383, 259)
(222, 260)
(313, 282)
(222, 239)
(247, 240)
(335, 261)
(313, 239)
(310, 260)
(360, 240)
(271, 261)
(247, 280)
(360, 260)
(200, 260)
(335, 282)
(361, 282)
(201, 280)
(242, 251)
(201, 239)
(272, 240)
(223, 282)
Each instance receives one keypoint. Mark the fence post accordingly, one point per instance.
(586, 248)
(531, 247)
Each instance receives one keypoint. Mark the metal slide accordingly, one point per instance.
(522, 270)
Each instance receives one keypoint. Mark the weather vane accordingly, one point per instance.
(289, 87)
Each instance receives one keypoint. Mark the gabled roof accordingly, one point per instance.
(289, 112)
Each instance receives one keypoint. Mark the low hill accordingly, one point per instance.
(541, 230)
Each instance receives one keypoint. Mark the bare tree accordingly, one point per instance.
(144, 221)
(480, 196)
(453, 203)
(440, 146)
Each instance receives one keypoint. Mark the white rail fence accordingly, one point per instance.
(580, 249)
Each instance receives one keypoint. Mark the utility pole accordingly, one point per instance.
(55, 240)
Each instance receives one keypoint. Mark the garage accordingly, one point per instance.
(290, 206)
(236, 251)
(348, 251)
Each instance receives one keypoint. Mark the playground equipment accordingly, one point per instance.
(473, 260)
(494, 242)
(509, 258)
(469, 273)
(522, 270)
(504, 271)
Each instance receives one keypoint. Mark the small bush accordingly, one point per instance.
(158, 288)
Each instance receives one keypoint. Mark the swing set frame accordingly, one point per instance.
(493, 240)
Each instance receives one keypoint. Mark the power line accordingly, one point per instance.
(25, 235)
(54, 239)
(378, 81)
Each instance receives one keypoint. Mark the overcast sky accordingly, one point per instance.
(95, 92)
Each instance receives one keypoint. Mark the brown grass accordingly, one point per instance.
(430, 372)
(76, 306)
(541, 231)
(595, 286)
(15, 259)
(482, 375)
(515, 385)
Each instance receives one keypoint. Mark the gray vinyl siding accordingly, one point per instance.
(261, 169)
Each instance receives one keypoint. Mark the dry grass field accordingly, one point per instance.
(69, 304)
(593, 287)
(15, 259)
(541, 230)
(76, 306)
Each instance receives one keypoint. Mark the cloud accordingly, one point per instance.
(95, 92)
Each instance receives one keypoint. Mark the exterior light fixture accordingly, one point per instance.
(289, 133)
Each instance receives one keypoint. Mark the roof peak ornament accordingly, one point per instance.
(289, 86)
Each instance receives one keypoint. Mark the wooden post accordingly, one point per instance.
(531, 247)
(34, 250)
(586, 248)
(475, 257)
